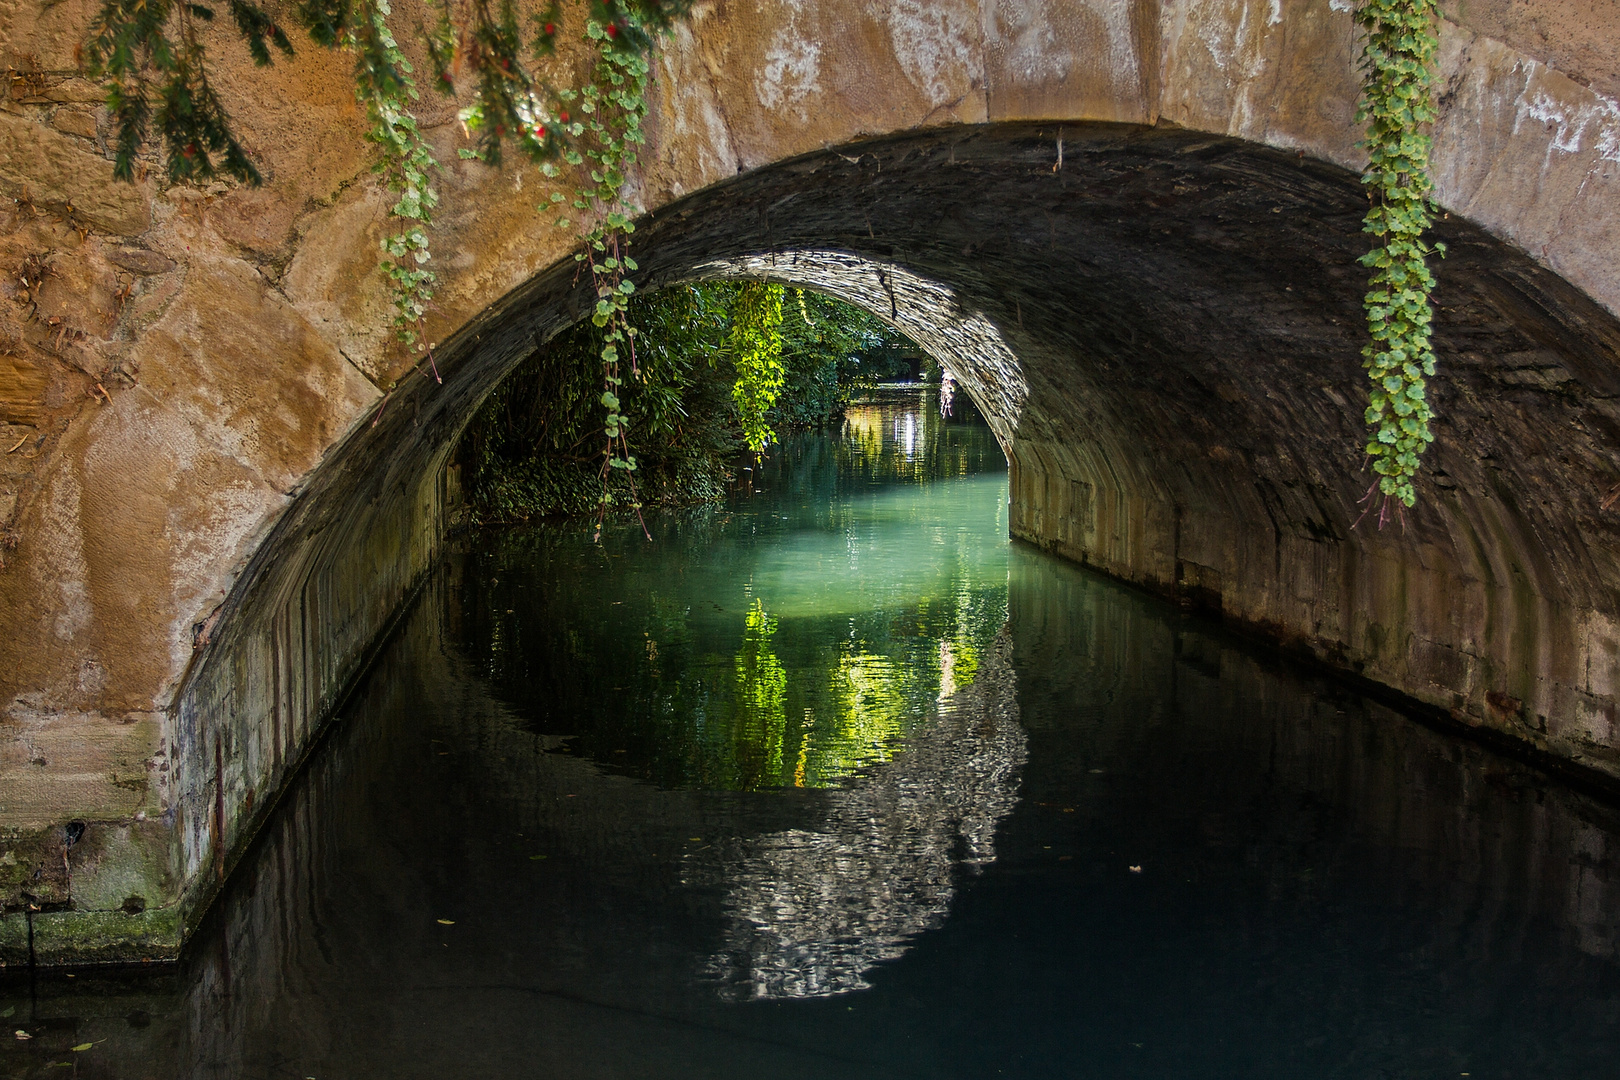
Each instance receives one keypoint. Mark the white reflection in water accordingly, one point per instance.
(811, 911)
(905, 435)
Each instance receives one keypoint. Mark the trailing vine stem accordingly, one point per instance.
(612, 105)
(383, 84)
(146, 49)
(1397, 104)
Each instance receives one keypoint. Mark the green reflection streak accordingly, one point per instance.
(760, 702)
(793, 637)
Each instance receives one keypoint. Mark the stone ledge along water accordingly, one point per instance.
(833, 780)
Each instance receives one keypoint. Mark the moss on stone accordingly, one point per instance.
(101, 937)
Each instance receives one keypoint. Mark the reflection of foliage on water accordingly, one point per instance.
(687, 695)
(864, 706)
(761, 716)
(793, 702)
(807, 642)
(811, 911)
(871, 712)
(883, 444)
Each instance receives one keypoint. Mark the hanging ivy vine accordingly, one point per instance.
(1397, 103)
(614, 103)
(138, 44)
(594, 132)
(756, 352)
(384, 86)
(585, 139)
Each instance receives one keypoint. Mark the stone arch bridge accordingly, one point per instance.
(1131, 226)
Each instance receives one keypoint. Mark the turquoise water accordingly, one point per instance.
(833, 781)
(789, 640)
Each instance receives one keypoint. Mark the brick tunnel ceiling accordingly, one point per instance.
(1188, 305)
(1200, 298)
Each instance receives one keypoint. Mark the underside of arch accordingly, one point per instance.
(1164, 329)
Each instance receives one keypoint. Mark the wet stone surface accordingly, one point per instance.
(834, 781)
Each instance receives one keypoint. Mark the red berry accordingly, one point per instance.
(540, 131)
(563, 117)
(550, 28)
(612, 30)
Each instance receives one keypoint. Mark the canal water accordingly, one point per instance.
(835, 781)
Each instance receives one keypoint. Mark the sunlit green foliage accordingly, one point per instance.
(832, 351)
(531, 450)
(756, 353)
(1397, 104)
(732, 674)
(528, 450)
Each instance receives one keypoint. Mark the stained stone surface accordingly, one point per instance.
(211, 512)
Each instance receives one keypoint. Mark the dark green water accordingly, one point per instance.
(835, 782)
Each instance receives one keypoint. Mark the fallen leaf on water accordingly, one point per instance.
(447, 922)
(694, 839)
(1136, 869)
(8, 1011)
(532, 858)
(82, 1047)
(21, 1034)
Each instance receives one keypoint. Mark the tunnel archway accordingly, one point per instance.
(1163, 328)
(1164, 331)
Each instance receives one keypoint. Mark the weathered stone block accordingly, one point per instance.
(139, 260)
(100, 937)
(74, 122)
(23, 387)
(123, 866)
(55, 171)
